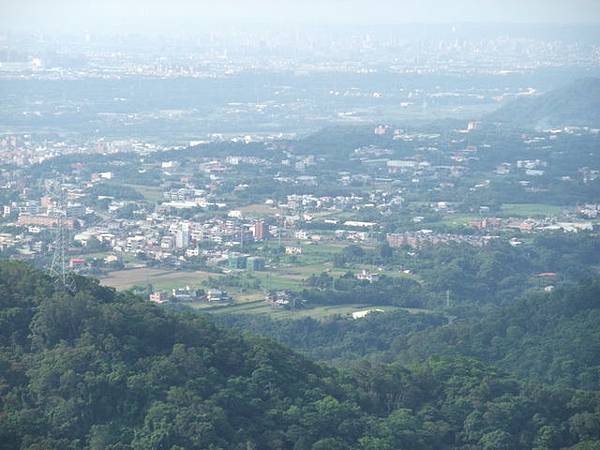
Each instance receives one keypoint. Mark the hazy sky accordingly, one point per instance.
(142, 15)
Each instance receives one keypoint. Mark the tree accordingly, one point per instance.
(385, 251)
(496, 440)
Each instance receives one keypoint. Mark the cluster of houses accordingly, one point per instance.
(423, 238)
(192, 221)
(187, 294)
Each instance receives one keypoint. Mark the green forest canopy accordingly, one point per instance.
(96, 369)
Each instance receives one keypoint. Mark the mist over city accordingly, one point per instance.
(316, 225)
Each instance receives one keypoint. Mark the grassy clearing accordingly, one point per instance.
(458, 219)
(89, 256)
(530, 210)
(278, 281)
(322, 250)
(259, 209)
(151, 193)
(318, 313)
(334, 214)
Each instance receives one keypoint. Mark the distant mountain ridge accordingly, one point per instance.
(577, 104)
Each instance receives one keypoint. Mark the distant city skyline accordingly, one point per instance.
(152, 15)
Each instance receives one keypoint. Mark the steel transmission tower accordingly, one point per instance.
(58, 267)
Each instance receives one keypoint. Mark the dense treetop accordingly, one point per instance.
(99, 370)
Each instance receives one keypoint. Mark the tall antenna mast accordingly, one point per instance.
(58, 267)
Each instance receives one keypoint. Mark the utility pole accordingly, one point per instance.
(279, 231)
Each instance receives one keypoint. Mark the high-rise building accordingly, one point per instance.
(182, 236)
(260, 231)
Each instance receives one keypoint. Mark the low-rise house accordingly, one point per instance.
(159, 297)
(216, 295)
(291, 250)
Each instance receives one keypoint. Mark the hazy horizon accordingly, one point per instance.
(178, 15)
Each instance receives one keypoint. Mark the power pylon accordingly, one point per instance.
(58, 267)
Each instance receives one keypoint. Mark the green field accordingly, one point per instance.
(259, 210)
(530, 210)
(458, 219)
(319, 312)
(289, 274)
(90, 256)
(278, 281)
(151, 193)
(285, 276)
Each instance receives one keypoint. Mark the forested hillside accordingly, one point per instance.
(547, 337)
(101, 370)
(552, 337)
(335, 339)
(573, 105)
